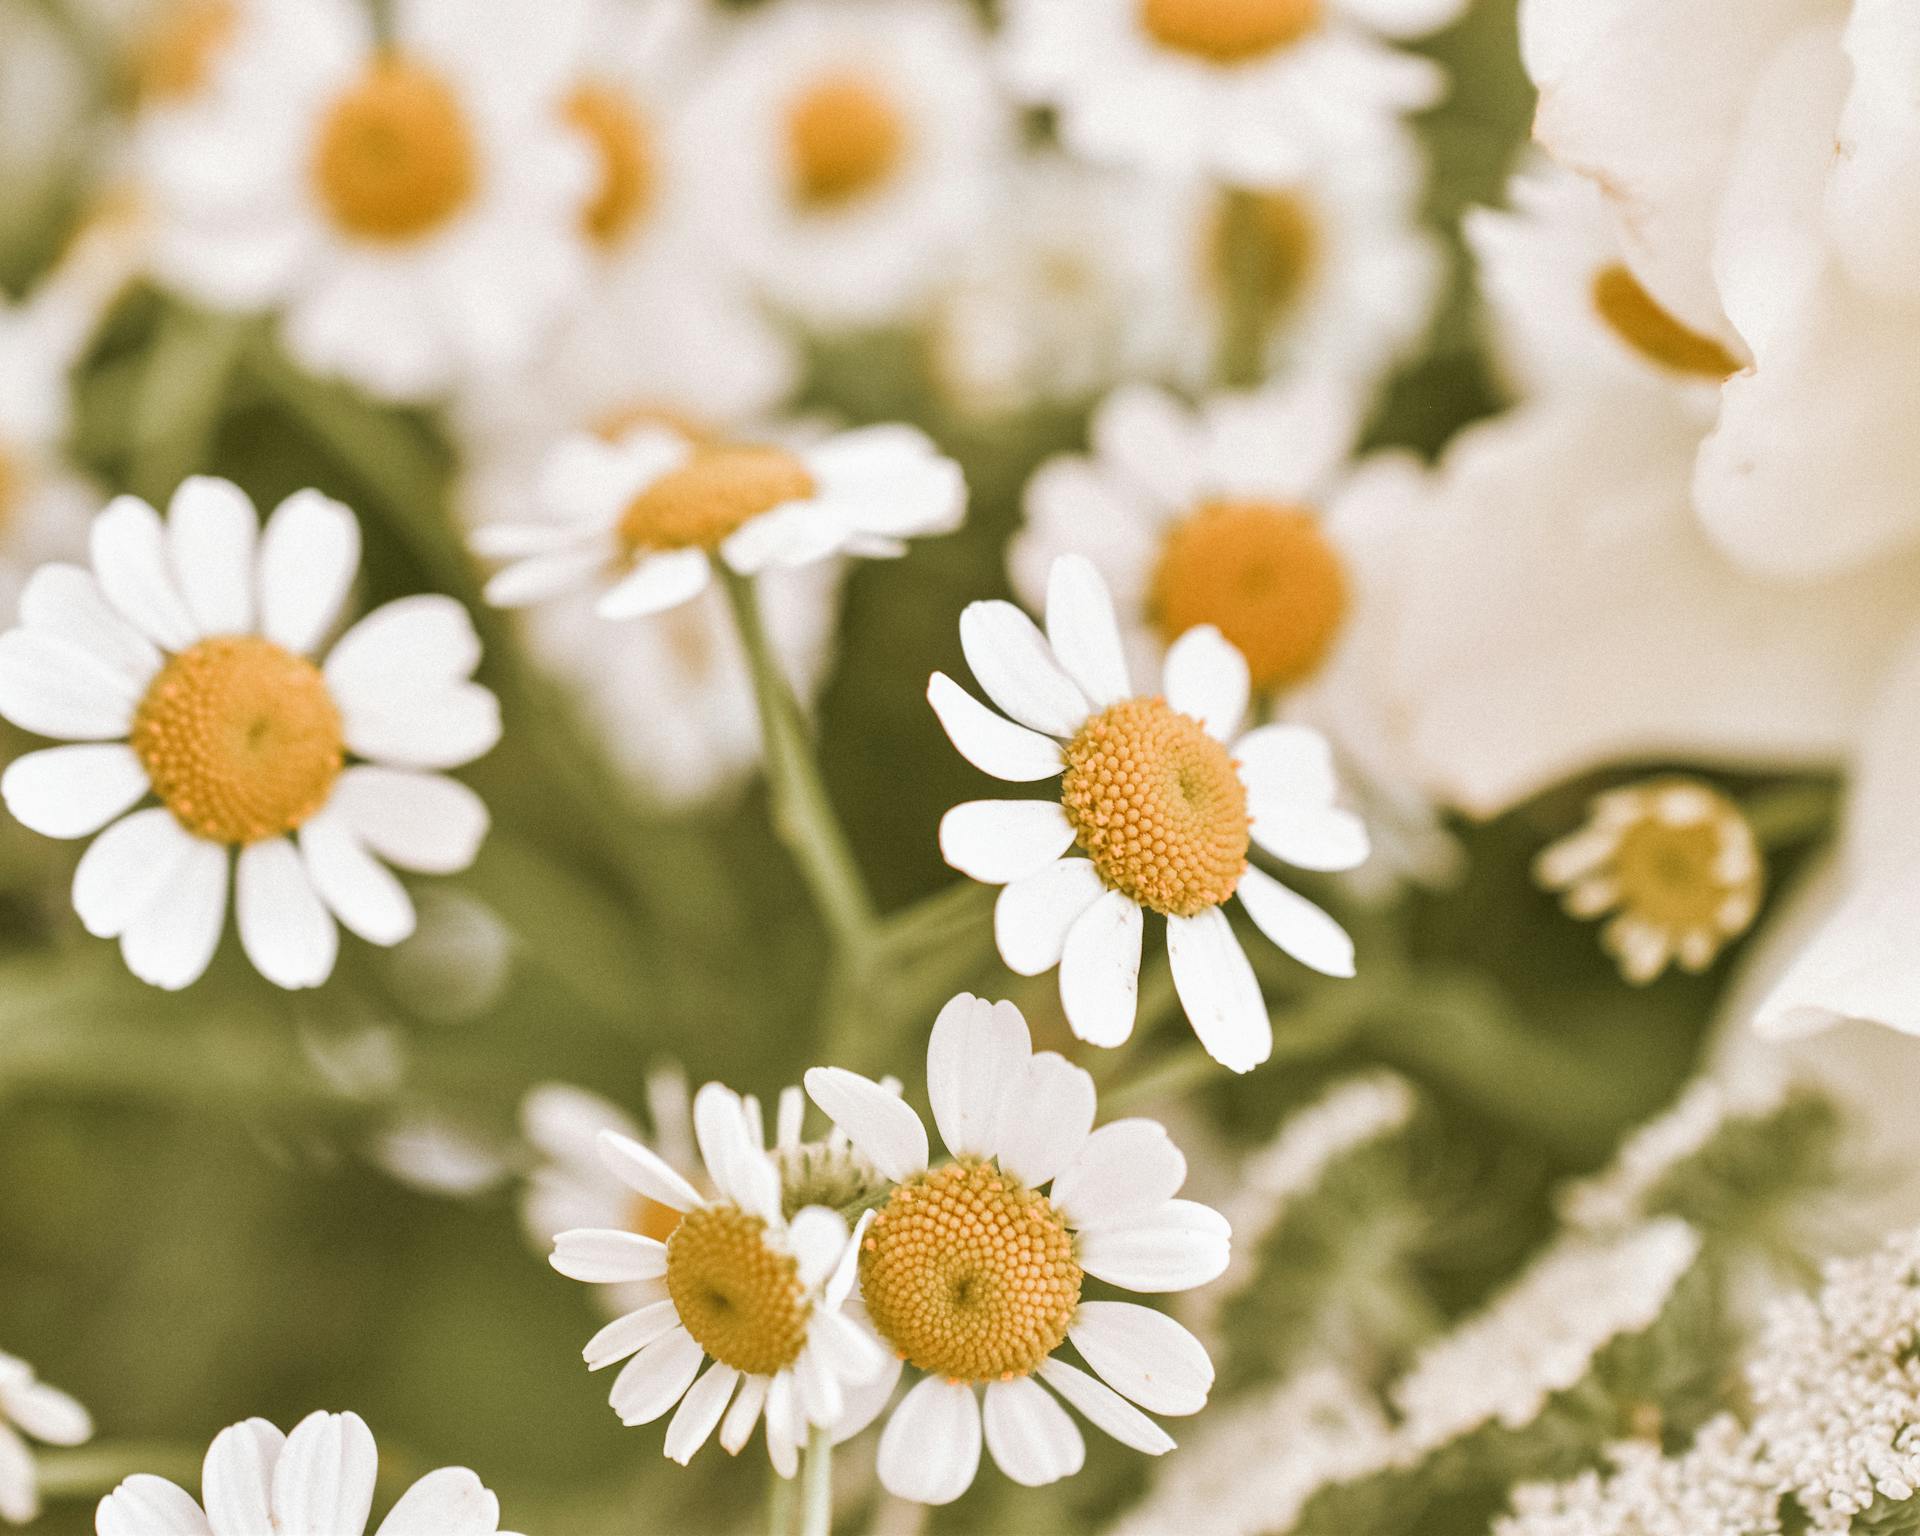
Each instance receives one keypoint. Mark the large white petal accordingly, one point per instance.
(1286, 766)
(236, 1478)
(1126, 1168)
(323, 1481)
(930, 1448)
(52, 687)
(735, 1157)
(818, 1237)
(1296, 924)
(145, 1505)
(437, 728)
(1000, 841)
(170, 942)
(65, 602)
(1151, 439)
(285, 929)
(700, 1411)
(1143, 1355)
(653, 1380)
(128, 544)
(1083, 633)
(1106, 1408)
(644, 1172)
(309, 556)
(603, 1256)
(211, 532)
(1218, 989)
(881, 1124)
(657, 583)
(72, 791)
(1029, 1435)
(976, 1053)
(1044, 1118)
(1174, 1247)
(403, 648)
(992, 743)
(357, 888)
(1208, 679)
(1313, 837)
(1100, 970)
(126, 868)
(1012, 661)
(48, 1414)
(451, 1501)
(417, 821)
(1032, 917)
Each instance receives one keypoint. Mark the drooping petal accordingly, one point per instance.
(1208, 679)
(285, 929)
(1144, 1355)
(1174, 1247)
(700, 1411)
(1000, 841)
(1106, 1408)
(309, 556)
(1045, 1116)
(744, 1414)
(992, 743)
(1126, 1168)
(1029, 1435)
(882, 1125)
(1012, 661)
(51, 1416)
(1296, 924)
(1032, 917)
(930, 1448)
(1218, 989)
(975, 1054)
(1083, 632)
(658, 582)
(631, 1333)
(818, 1237)
(73, 791)
(1100, 970)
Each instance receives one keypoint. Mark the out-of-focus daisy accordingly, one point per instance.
(180, 663)
(973, 1276)
(414, 207)
(1674, 863)
(643, 517)
(319, 1478)
(1251, 91)
(847, 147)
(43, 101)
(29, 1408)
(1163, 795)
(736, 1278)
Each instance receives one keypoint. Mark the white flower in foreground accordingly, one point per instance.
(735, 1279)
(180, 662)
(973, 1276)
(31, 1408)
(257, 1482)
(643, 518)
(1164, 796)
(1250, 91)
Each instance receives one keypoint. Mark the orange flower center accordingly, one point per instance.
(395, 159)
(719, 488)
(174, 58)
(651, 1219)
(1637, 318)
(845, 138)
(738, 1296)
(622, 143)
(1228, 31)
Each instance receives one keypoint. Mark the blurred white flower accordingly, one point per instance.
(1164, 795)
(29, 1408)
(319, 1478)
(44, 96)
(736, 1280)
(181, 663)
(973, 1276)
(1254, 92)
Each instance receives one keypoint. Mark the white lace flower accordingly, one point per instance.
(259, 1482)
(29, 1408)
(180, 663)
(973, 1276)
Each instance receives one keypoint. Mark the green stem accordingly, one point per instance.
(816, 1496)
(181, 393)
(779, 1506)
(1246, 302)
(91, 1471)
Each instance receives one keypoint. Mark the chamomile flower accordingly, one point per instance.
(1162, 794)
(31, 1408)
(320, 1477)
(1252, 92)
(974, 1277)
(180, 664)
(414, 208)
(642, 518)
(737, 1279)
(847, 147)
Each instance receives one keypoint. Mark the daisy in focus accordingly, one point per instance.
(319, 1478)
(180, 665)
(31, 1408)
(1252, 92)
(736, 1278)
(974, 1277)
(1162, 794)
(642, 519)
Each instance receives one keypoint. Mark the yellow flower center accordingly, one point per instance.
(969, 1274)
(241, 739)
(845, 137)
(739, 1297)
(1670, 875)
(1637, 318)
(651, 1219)
(1228, 31)
(396, 157)
(714, 492)
(1265, 574)
(174, 58)
(622, 143)
(1158, 805)
(1279, 244)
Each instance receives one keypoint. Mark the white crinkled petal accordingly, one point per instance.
(1000, 841)
(1032, 917)
(992, 743)
(1100, 970)
(1299, 927)
(1174, 1247)
(881, 1124)
(930, 1448)
(1012, 661)
(1029, 1435)
(1045, 1116)
(976, 1053)
(1143, 1355)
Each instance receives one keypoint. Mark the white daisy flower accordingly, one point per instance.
(1163, 795)
(181, 663)
(973, 1276)
(738, 1280)
(847, 147)
(643, 517)
(1250, 91)
(413, 208)
(31, 1408)
(257, 1481)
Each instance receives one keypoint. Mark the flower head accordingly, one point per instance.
(29, 1408)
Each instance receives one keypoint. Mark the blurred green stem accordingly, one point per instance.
(91, 1471)
(816, 1494)
(779, 1506)
(182, 391)
(1245, 302)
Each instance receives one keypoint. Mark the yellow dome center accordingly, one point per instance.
(1637, 318)
(396, 158)
(1158, 805)
(1282, 249)
(1670, 875)
(1228, 31)
(622, 143)
(1265, 574)
(740, 1298)
(714, 492)
(845, 138)
(241, 739)
(174, 59)
(969, 1274)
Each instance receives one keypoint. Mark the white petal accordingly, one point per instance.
(1313, 837)
(1175, 1247)
(211, 532)
(992, 743)
(999, 841)
(822, 1399)
(783, 1425)
(644, 1172)
(357, 888)
(1150, 437)
(976, 1053)
(1126, 1168)
(19, 1483)
(1083, 632)
(846, 1348)
(48, 1414)
(1218, 990)
(53, 688)
(1100, 970)
(403, 648)
(1296, 924)
(736, 1160)
(128, 544)
(170, 941)
(1044, 1118)
(840, 1283)
(1030, 1436)
(658, 583)
(1286, 767)
(744, 1414)
(441, 728)
(1106, 1408)
(323, 1481)
(543, 576)
(451, 1501)
(700, 1411)
(237, 1477)
(818, 1237)
(309, 556)
(931, 1446)
(867, 1400)
(417, 821)
(1032, 917)
(1012, 661)
(72, 791)
(631, 1333)
(284, 928)
(1207, 678)
(881, 1124)
(144, 1505)
(1143, 1355)
(66, 603)
(125, 869)
(602, 1256)
(653, 1380)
